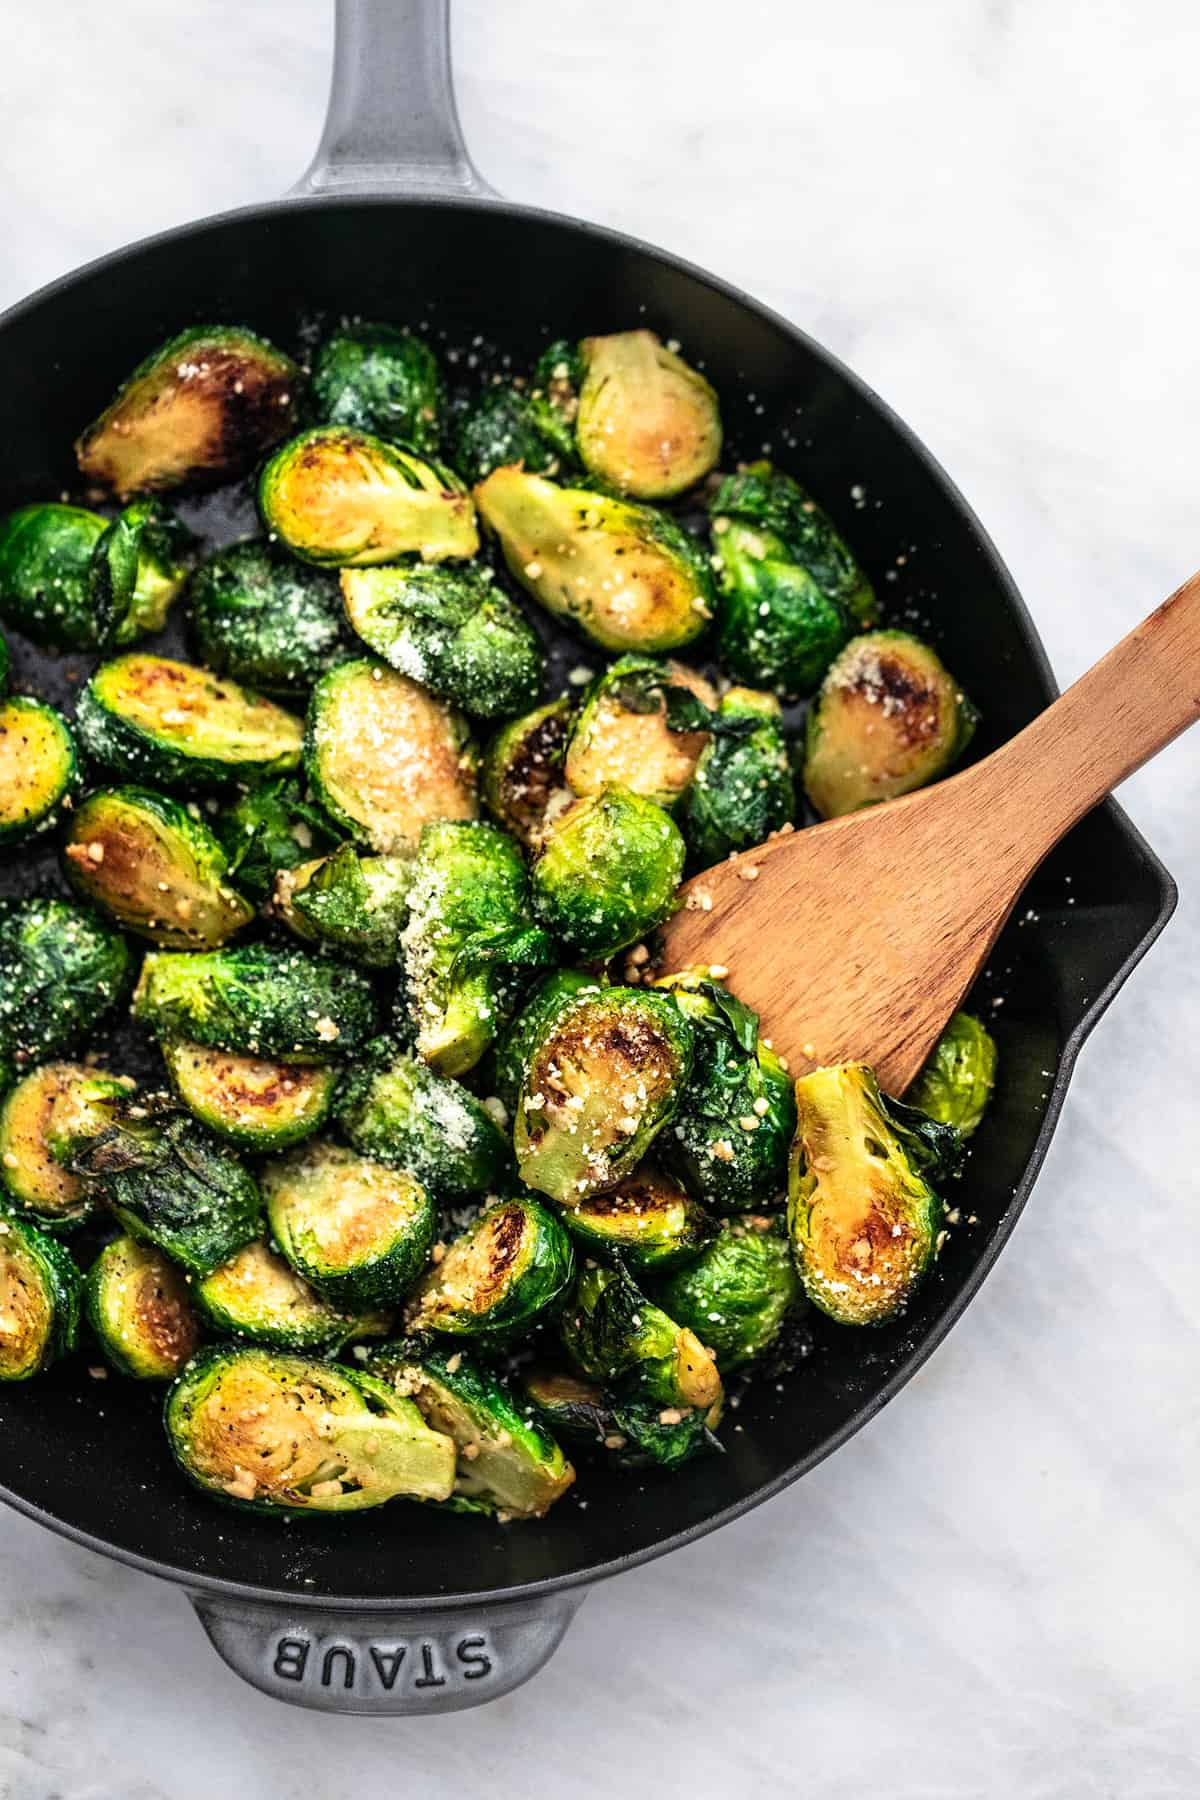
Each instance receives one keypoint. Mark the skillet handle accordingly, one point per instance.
(392, 125)
(387, 1664)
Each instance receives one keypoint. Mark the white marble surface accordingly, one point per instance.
(989, 209)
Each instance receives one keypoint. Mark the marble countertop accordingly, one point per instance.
(989, 210)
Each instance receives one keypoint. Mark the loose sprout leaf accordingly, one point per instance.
(739, 1019)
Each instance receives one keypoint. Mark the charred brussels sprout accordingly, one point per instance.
(956, 1083)
(602, 1078)
(358, 1230)
(385, 758)
(507, 1463)
(614, 1334)
(508, 1269)
(257, 1001)
(376, 378)
(889, 718)
(199, 411)
(742, 789)
(151, 719)
(139, 1306)
(469, 942)
(272, 827)
(138, 568)
(648, 424)
(647, 1220)
(632, 1433)
(509, 425)
(354, 904)
(451, 629)
(42, 1120)
(146, 862)
(627, 576)
(394, 1108)
(255, 1104)
(740, 1293)
(257, 1297)
(283, 1433)
(39, 769)
(39, 1300)
(61, 968)
(607, 872)
(344, 498)
(45, 574)
(862, 1215)
(266, 620)
(523, 781)
(534, 1019)
(643, 726)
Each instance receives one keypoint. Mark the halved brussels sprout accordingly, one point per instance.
(275, 1433)
(377, 378)
(143, 859)
(613, 1333)
(139, 1306)
(355, 904)
(602, 1078)
(631, 1433)
(258, 1297)
(138, 568)
(358, 1230)
(743, 788)
(270, 828)
(607, 872)
(956, 1083)
(170, 723)
(385, 757)
(258, 1001)
(469, 941)
(61, 968)
(255, 1104)
(392, 1107)
(199, 411)
(862, 1215)
(629, 577)
(39, 1300)
(643, 726)
(739, 1294)
(39, 768)
(345, 498)
(648, 423)
(45, 574)
(647, 1220)
(265, 619)
(517, 1044)
(509, 424)
(506, 1462)
(889, 718)
(42, 1120)
(523, 781)
(507, 1270)
(451, 629)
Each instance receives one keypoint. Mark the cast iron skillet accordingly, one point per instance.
(408, 1610)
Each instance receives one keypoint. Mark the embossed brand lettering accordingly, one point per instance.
(387, 1663)
(430, 1677)
(291, 1658)
(327, 1667)
(472, 1653)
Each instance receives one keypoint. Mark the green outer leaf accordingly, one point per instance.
(382, 380)
(392, 1107)
(265, 619)
(258, 831)
(608, 872)
(61, 968)
(259, 1001)
(45, 562)
(955, 1085)
(738, 1294)
(138, 568)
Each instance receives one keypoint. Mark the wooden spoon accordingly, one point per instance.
(857, 939)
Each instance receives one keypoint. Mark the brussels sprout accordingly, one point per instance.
(199, 411)
(648, 424)
(613, 1333)
(42, 1119)
(508, 424)
(272, 827)
(342, 497)
(385, 757)
(255, 1104)
(376, 378)
(151, 719)
(61, 968)
(607, 872)
(628, 577)
(739, 1293)
(392, 1107)
(39, 1300)
(647, 1220)
(139, 1306)
(603, 1075)
(358, 1230)
(736, 1115)
(956, 1083)
(468, 942)
(39, 768)
(355, 904)
(742, 789)
(889, 718)
(862, 1215)
(275, 1432)
(145, 861)
(172, 1184)
(451, 629)
(258, 1001)
(523, 772)
(511, 1267)
(257, 1297)
(138, 568)
(642, 726)
(520, 1039)
(45, 574)
(632, 1433)
(507, 1463)
(266, 620)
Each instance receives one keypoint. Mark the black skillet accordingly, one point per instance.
(409, 1610)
